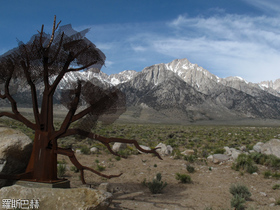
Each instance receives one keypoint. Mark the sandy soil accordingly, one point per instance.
(210, 188)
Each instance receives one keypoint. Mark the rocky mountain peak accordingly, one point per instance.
(122, 77)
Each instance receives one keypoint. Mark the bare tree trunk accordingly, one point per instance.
(43, 160)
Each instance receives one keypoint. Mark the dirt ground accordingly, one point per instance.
(209, 190)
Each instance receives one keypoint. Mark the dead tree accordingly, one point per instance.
(46, 59)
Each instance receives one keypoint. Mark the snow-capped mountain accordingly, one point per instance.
(90, 74)
(182, 91)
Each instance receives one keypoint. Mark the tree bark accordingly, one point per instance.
(43, 160)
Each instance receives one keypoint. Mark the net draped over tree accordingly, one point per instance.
(46, 59)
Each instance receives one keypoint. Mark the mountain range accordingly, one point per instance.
(180, 91)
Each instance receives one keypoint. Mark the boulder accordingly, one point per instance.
(56, 198)
(15, 151)
(235, 153)
(164, 150)
(210, 158)
(94, 150)
(218, 158)
(257, 147)
(227, 151)
(188, 152)
(119, 146)
(271, 147)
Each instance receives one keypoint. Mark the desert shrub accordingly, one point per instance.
(237, 202)
(245, 162)
(252, 168)
(85, 150)
(276, 187)
(100, 168)
(63, 161)
(124, 152)
(176, 154)
(240, 190)
(190, 169)
(61, 169)
(257, 157)
(74, 169)
(219, 151)
(183, 178)
(118, 158)
(204, 153)
(273, 161)
(156, 185)
(268, 160)
(190, 158)
(171, 142)
(267, 174)
(276, 175)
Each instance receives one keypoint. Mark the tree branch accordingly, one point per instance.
(73, 159)
(41, 36)
(68, 119)
(20, 118)
(106, 141)
(33, 93)
(71, 57)
(91, 108)
(58, 50)
(61, 74)
(53, 31)
(83, 67)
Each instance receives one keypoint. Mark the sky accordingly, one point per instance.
(226, 37)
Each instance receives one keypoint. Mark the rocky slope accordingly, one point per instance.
(186, 91)
(183, 91)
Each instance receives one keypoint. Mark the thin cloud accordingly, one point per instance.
(269, 6)
(224, 44)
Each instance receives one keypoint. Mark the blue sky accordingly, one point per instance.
(226, 37)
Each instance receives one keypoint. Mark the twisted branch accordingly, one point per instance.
(107, 141)
(53, 31)
(73, 159)
(33, 93)
(67, 121)
(58, 50)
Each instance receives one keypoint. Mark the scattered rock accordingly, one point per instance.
(55, 198)
(218, 158)
(258, 147)
(272, 199)
(188, 152)
(263, 194)
(210, 158)
(119, 146)
(78, 151)
(271, 147)
(235, 153)
(164, 150)
(94, 150)
(104, 187)
(15, 151)
(227, 151)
